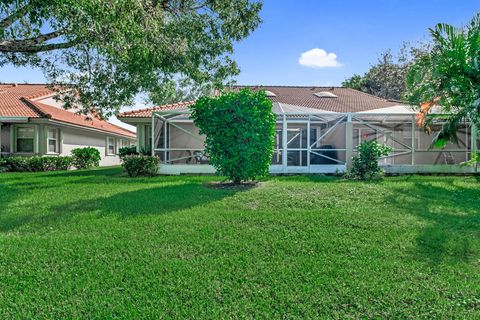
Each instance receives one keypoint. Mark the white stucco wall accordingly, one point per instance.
(75, 138)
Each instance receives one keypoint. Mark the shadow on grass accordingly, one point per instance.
(452, 214)
(160, 200)
(97, 172)
(51, 178)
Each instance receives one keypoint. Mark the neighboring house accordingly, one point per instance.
(33, 123)
(318, 131)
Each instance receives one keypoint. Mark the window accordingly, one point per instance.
(110, 146)
(148, 137)
(122, 143)
(125, 143)
(52, 140)
(25, 140)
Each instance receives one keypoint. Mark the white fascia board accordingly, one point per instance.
(134, 121)
(69, 125)
(399, 109)
(14, 119)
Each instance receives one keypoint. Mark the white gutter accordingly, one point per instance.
(13, 119)
(134, 120)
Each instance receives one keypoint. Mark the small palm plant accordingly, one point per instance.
(365, 165)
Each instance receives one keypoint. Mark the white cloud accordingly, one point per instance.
(319, 58)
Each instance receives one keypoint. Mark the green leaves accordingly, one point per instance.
(449, 74)
(240, 130)
(108, 51)
(35, 164)
(140, 165)
(386, 78)
(86, 158)
(365, 165)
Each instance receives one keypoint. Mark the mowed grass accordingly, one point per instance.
(96, 244)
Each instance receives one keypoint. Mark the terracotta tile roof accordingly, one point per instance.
(147, 113)
(345, 100)
(92, 122)
(18, 101)
(11, 103)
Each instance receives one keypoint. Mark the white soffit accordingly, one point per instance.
(400, 109)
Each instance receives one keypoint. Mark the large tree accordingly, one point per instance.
(101, 53)
(386, 77)
(448, 77)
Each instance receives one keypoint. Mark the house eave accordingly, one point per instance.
(13, 119)
(66, 124)
(134, 120)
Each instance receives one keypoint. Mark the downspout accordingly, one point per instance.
(139, 136)
(349, 141)
(1, 151)
(152, 133)
(474, 149)
(413, 140)
(284, 143)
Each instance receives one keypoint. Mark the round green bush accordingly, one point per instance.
(85, 158)
(140, 165)
(240, 131)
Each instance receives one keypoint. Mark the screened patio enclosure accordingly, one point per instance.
(313, 141)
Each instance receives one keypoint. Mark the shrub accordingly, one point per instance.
(240, 130)
(127, 151)
(57, 163)
(3, 165)
(36, 164)
(17, 164)
(85, 158)
(365, 165)
(140, 165)
(146, 151)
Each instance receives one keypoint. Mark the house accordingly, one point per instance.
(32, 122)
(318, 131)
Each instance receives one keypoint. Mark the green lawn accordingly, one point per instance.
(96, 244)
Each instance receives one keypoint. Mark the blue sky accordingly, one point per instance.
(355, 31)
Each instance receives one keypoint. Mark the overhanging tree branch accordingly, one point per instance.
(8, 21)
(44, 37)
(133, 45)
(35, 48)
(36, 44)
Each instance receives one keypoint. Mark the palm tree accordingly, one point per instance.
(449, 77)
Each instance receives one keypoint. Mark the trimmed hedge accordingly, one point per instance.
(86, 158)
(139, 165)
(127, 151)
(35, 164)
